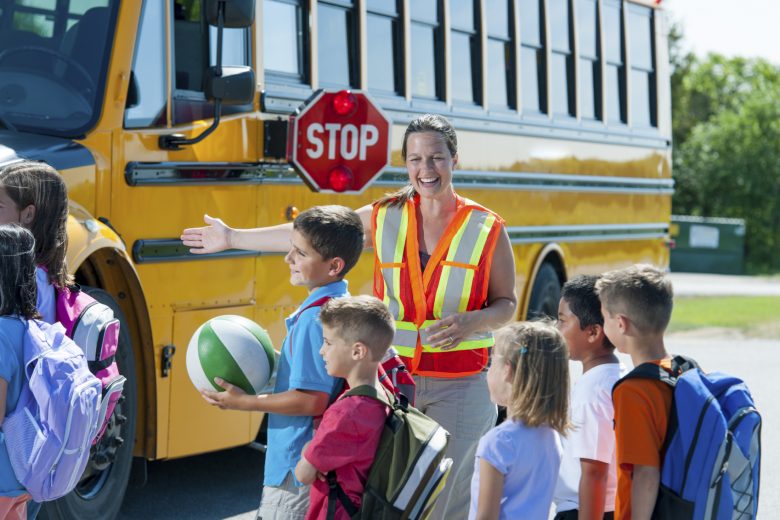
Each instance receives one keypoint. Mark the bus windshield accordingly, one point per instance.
(53, 60)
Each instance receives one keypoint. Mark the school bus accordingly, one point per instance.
(563, 116)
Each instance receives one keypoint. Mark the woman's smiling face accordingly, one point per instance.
(429, 163)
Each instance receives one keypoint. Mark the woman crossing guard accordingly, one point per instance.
(444, 267)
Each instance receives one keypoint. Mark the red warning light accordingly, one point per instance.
(340, 179)
(344, 103)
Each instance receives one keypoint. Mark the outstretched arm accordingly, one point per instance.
(217, 236)
(292, 402)
(501, 302)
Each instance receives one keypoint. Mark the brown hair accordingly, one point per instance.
(425, 123)
(333, 231)
(363, 319)
(18, 290)
(642, 293)
(38, 184)
(537, 356)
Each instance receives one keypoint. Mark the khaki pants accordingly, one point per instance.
(463, 407)
(286, 502)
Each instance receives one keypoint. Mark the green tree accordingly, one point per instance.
(729, 166)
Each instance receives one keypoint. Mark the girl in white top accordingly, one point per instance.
(34, 195)
(517, 461)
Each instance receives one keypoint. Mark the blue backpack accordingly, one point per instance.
(712, 450)
(49, 434)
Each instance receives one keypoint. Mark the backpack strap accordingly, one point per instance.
(316, 303)
(679, 364)
(391, 401)
(336, 492)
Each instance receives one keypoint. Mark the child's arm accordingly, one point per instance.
(305, 471)
(3, 394)
(291, 402)
(644, 491)
(593, 489)
(491, 488)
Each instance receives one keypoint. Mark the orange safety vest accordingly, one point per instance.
(455, 280)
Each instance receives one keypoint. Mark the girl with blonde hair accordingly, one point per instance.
(517, 462)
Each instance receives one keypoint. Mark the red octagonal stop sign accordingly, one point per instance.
(339, 142)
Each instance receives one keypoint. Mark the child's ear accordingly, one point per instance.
(508, 373)
(336, 266)
(623, 323)
(595, 334)
(359, 351)
(27, 215)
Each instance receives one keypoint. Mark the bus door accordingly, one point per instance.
(156, 192)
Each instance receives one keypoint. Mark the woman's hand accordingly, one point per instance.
(209, 239)
(449, 332)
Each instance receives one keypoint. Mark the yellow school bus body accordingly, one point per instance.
(579, 202)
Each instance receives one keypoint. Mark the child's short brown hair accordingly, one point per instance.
(333, 231)
(642, 293)
(363, 319)
(537, 355)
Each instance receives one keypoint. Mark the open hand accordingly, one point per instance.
(213, 238)
(229, 399)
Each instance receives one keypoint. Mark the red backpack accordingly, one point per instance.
(92, 326)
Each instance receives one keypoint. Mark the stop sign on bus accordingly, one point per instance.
(339, 142)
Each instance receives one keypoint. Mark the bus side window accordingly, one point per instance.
(562, 58)
(337, 54)
(426, 44)
(532, 58)
(464, 52)
(500, 53)
(384, 46)
(640, 30)
(284, 41)
(615, 54)
(149, 70)
(590, 60)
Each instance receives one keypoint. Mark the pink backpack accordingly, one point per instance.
(92, 326)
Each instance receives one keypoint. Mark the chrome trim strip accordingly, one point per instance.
(587, 233)
(148, 251)
(167, 174)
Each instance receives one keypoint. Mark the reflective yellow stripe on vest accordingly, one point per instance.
(390, 241)
(457, 275)
(405, 340)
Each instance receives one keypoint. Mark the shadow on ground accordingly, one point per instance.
(223, 484)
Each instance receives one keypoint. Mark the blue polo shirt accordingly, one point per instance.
(301, 367)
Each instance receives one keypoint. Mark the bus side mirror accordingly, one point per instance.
(233, 86)
(238, 13)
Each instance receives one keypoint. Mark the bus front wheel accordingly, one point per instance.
(101, 488)
(545, 293)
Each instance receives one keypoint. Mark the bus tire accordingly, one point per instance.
(545, 293)
(102, 487)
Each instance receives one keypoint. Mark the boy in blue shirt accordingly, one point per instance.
(325, 244)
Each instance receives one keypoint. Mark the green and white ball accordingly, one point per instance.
(234, 348)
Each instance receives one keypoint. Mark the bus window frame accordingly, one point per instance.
(285, 98)
(652, 73)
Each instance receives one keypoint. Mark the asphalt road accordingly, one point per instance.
(226, 485)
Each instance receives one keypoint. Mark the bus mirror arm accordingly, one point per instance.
(230, 85)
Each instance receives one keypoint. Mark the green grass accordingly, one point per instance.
(738, 312)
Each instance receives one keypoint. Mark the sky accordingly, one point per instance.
(749, 28)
